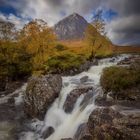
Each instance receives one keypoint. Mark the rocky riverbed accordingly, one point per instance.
(75, 106)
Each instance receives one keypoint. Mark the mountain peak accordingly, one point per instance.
(75, 15)
(71, 27)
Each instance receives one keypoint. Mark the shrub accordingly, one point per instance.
(14, 61)
(119, 78)
(64, 62)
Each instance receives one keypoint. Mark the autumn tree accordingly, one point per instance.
(92, 36)
(37, 37)
(14, 60)
(99, 23)
(96, 35)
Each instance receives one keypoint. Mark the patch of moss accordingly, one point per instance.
(119, 78)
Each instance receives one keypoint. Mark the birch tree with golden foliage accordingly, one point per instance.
(38, 38)
(92, 38)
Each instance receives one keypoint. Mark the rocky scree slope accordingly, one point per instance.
(71, 27)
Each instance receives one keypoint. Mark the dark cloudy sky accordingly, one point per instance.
(122, 16)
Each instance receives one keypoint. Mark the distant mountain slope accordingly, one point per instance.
(71, 27)
(6, 29)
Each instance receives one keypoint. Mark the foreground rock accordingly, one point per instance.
(104, 101)
(40, 94)
(83, 133)
(109, 124)
(10, 121)
(106, 123)
(12, 115)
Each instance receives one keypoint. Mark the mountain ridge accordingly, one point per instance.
(71, 27)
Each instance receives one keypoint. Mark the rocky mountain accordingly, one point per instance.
(6, 29)
(71, 27)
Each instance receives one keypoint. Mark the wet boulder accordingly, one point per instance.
(106, 123)
(129, 126)
(40, 94)
(49, 131)
(83, 133)
(112, 60)
(130, 94)
(84, 79)
(100, 124)
(103, 100)
(74, 95)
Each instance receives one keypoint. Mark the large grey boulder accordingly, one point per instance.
(40, 94)
(106, 123)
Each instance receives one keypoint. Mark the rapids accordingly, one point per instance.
(66, 124)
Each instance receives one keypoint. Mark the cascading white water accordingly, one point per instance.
(66, 124)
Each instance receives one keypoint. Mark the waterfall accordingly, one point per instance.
(65, 124)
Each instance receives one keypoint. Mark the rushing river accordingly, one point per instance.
(65, 124)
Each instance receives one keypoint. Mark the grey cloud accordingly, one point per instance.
(129, 24)
(124, 7)
(56, 3)
(82, 6)
(19, 22)
(123, 27)
(50, 10)
(3, 2)
(126, 28)
(131, 7)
